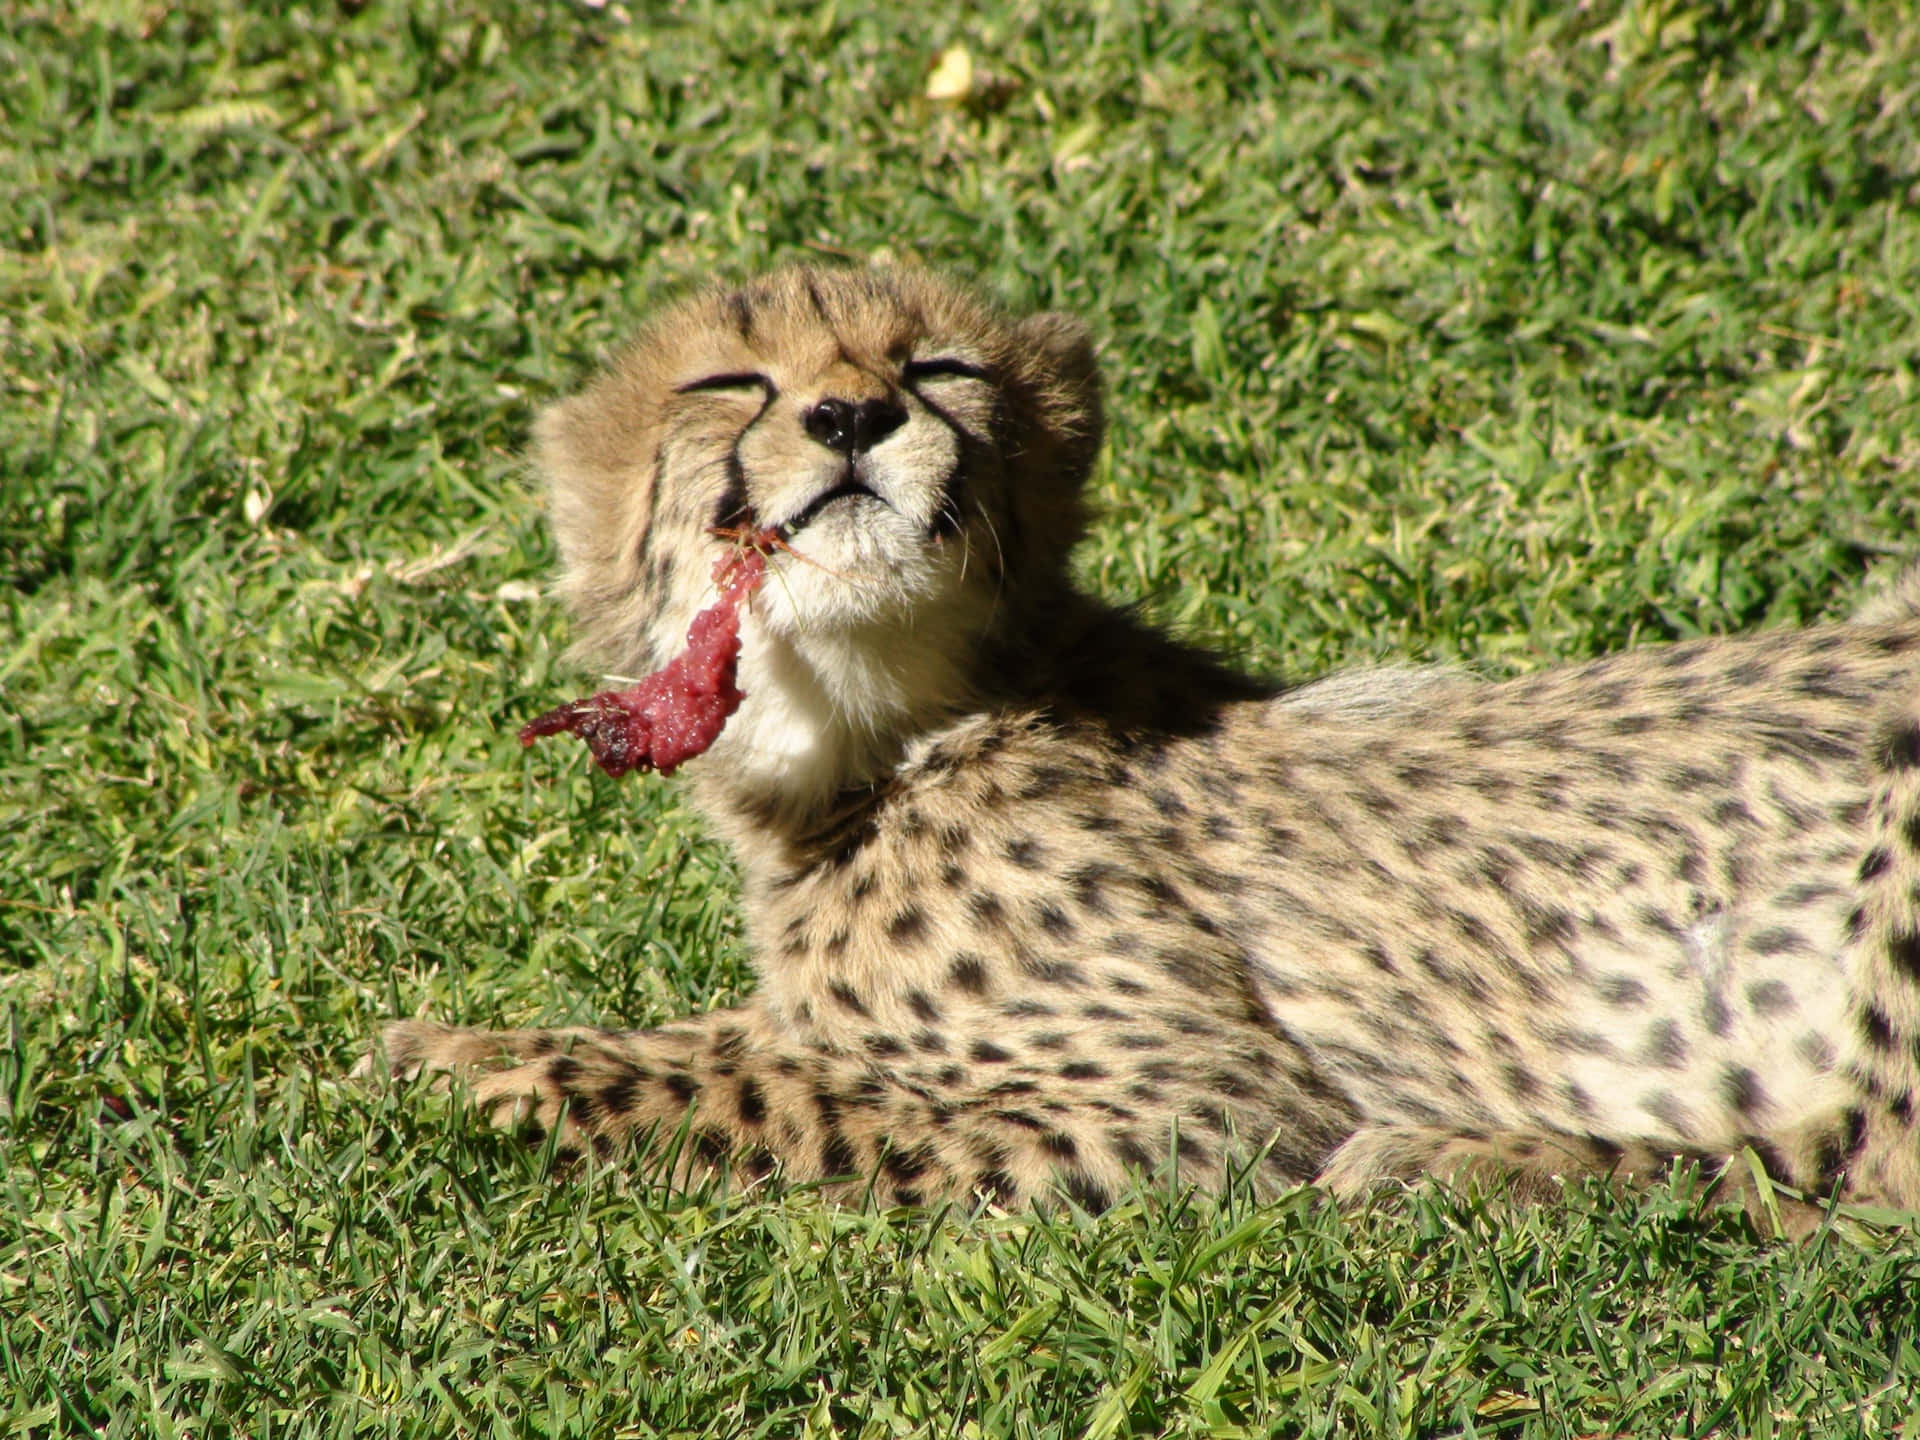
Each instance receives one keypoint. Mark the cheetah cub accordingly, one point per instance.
(1042, 899)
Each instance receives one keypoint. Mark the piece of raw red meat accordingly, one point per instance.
(678, 711)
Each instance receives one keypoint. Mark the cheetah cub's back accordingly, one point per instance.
(1040, 898)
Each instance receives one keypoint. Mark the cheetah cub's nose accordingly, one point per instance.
(852, 429)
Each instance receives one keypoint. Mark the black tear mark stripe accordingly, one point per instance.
(645, 543)
(734, 507)
(956, 488)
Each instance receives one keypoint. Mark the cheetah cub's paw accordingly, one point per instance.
(520, 1080)
(408, 1049)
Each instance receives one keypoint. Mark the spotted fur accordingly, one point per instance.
(1042, 900)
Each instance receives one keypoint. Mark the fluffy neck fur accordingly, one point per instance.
(828, 719)
(827, 713)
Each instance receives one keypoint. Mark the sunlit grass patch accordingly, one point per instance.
(1496, 334)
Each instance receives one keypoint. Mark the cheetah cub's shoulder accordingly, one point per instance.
(1038, 895)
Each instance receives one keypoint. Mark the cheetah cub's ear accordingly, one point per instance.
(1064, 346)
(1055, 379)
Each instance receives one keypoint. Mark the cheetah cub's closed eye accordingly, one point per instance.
(1039, 897)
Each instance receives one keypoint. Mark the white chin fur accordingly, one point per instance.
(837, 672)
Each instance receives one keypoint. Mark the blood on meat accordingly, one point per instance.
(679, 710)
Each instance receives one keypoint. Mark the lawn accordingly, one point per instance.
(1491, 333)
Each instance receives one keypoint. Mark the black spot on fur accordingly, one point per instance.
(922, 1006)
(1715, 1015)
(1085, 1191)
(1876, 1028)
(1731, 811)
(1520, 1081)
(905, 1166)
(1189, 969)
(1027, 1009)
(1089, 884)
(710, 1146)
(966, 971)
(1837, 1150)
(1167, 802)
(1903, 951)
(1026, 852)
(1900, 748)
(1050, 972)
(1060, 1145)
(1771, 1160)
(1816, 1050)
(1623, 992)
(616, 1096)
(1777, 940)
(1741, 1089)
(681, 1086)
(987, 1053)
(836, 1156)
(1054, 921)
(908, 926)
(1606, 1154)
(750, 1102)
(987, 911)
(1044, 780)
(1874, 864)
(1545, 925)
(1130, 1152)
(1665, 1046)
(997, 1188)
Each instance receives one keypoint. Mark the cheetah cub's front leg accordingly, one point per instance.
(727, 1098)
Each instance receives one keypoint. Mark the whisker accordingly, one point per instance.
(767, 540)
(1000, 557)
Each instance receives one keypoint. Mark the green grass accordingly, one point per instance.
(1503, 334)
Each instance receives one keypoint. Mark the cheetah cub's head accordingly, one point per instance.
(919, 453)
